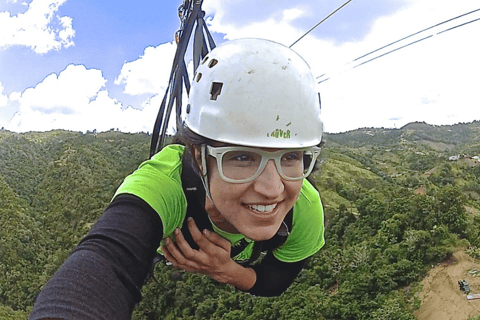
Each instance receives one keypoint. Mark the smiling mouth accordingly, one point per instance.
(262, 208)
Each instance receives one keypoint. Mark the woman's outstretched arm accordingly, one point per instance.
(103, 276)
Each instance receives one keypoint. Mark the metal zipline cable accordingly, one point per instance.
(416, 41)
(190, 14)
(418, 32)
(321, 21)
(408, 44)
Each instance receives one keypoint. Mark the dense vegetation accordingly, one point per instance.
(394, 204)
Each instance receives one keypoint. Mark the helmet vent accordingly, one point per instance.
(204, 59)
(199, 76)
(213, 63)
(215, 90)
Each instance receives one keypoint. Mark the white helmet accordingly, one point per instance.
(257, 93)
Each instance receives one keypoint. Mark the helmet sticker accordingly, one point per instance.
(279, 133)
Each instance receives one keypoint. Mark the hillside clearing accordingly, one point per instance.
(441, 296)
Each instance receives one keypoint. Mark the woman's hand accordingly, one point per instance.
(212, 257)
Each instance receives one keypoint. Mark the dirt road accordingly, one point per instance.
(441, 297)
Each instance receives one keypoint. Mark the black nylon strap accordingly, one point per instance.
(191, 14)
(195, 193)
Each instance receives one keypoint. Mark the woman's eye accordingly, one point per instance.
(292, 156)
(239, 158)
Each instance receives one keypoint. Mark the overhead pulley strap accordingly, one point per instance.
(190, 13)
(211, 42)
(183, 78)
(200, 46)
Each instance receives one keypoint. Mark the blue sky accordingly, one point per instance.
(84, 65)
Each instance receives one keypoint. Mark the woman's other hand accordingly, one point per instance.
(212, 257)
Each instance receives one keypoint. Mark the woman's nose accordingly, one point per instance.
(269, 183)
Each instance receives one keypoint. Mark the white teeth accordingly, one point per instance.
(262, 208)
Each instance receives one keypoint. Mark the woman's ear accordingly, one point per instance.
(197, 156)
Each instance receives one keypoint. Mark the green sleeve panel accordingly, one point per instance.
(158, 182)
(306, 236)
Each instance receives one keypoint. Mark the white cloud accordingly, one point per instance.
(71, 89)
(67, 33)
(274, 28)
(76, 99)
(151, 106)
(3, 98)
(322, 55)
(149, 73)
(38, 28)
(73, 100)
(433, 80)
(292, 14)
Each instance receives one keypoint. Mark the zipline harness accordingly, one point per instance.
(190, 13)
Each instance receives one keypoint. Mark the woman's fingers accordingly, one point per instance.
(211, 257)
(177, 257)
(207, 241)
(202, 242)
(217, 240)
(187, 251)
(166, 250)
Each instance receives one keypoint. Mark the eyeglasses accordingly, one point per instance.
(243, 164)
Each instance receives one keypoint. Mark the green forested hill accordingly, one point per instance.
(54, 185)
(394, 205)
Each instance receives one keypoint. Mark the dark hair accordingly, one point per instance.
(189, 138)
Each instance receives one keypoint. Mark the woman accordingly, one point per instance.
(238, 188)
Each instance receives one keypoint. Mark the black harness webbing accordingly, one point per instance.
(190, 13)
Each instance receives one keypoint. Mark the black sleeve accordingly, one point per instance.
(275, 276)
(103, 276)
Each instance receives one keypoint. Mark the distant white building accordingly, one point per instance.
(476, 158)
(454, 158)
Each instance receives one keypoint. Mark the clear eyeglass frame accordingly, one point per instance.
(219, 152)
